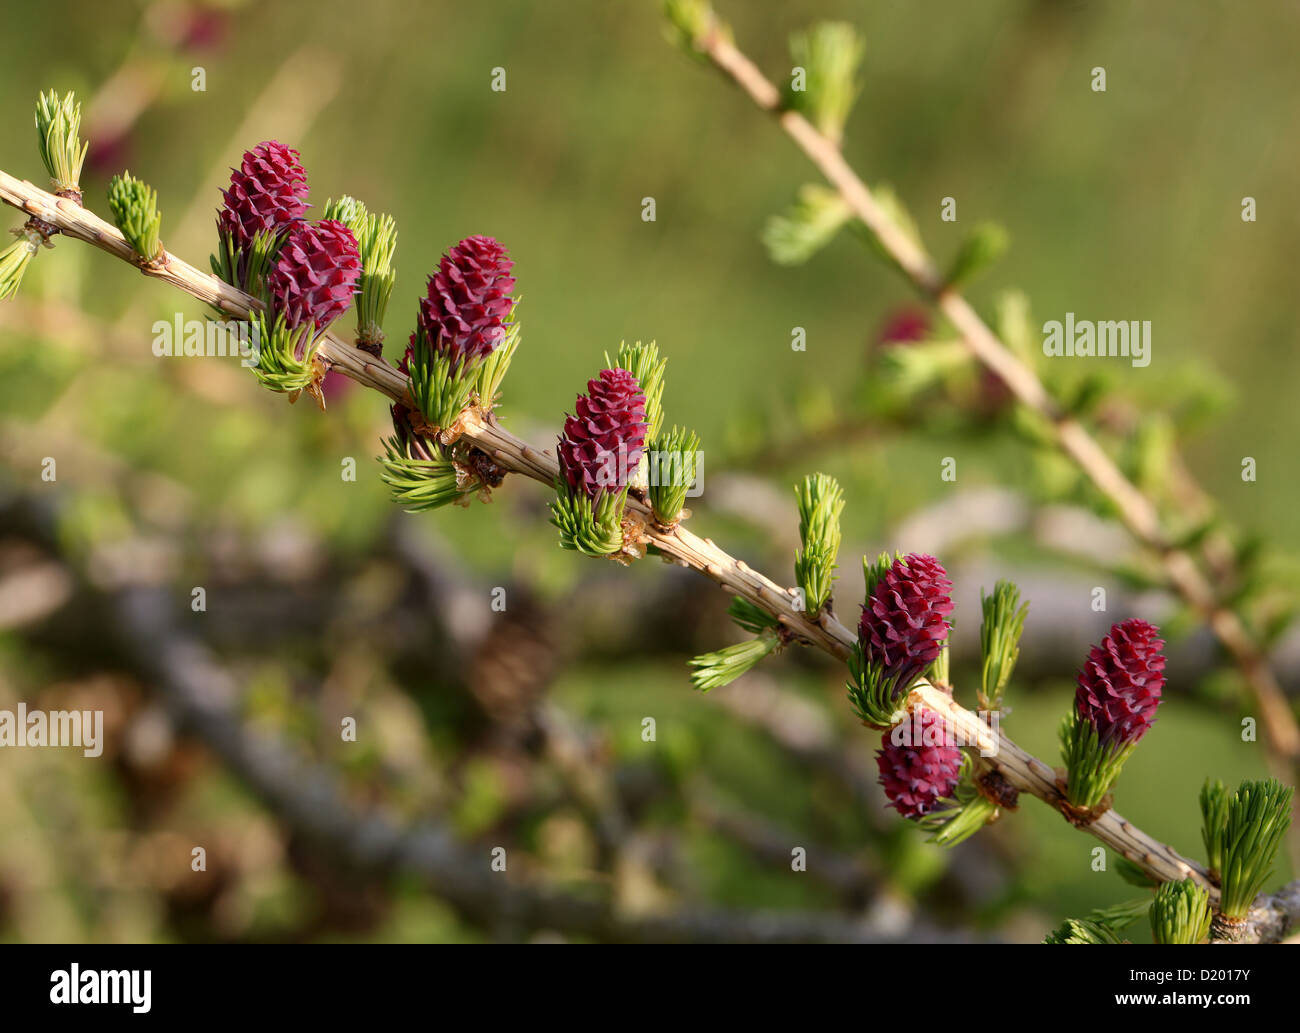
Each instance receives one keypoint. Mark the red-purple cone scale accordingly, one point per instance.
(315, 274)
(267, 192)
(917, 777)
(1120, 684)
(604, 439)
(468, 300)
(904, 622)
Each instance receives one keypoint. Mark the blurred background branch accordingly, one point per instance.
(1183, 567)
(137, 628)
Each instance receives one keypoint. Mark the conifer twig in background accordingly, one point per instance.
(698, 30)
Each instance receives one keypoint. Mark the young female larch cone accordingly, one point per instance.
(267, 192)
(315, 274)
(919, 776)
(1120, 684)
(468, 300)
(458, 355)
(904, 622)
(465, 335)
(599, 452)
(1115, 703)
(311, 284)
(602, 442)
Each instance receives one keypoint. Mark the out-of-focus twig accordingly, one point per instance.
(1138, 512)
(198, 693)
